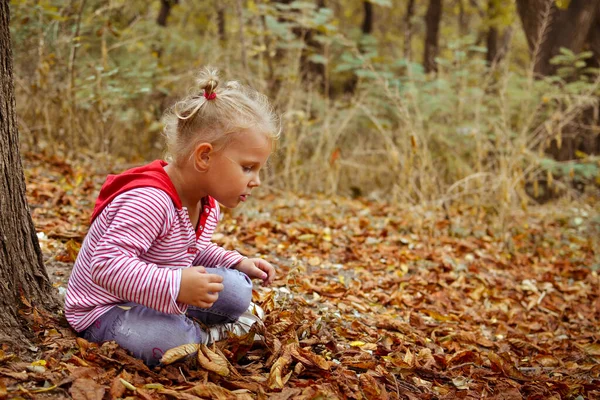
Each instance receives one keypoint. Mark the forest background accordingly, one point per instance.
(416, 102)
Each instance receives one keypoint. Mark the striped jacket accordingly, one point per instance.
(135, 250)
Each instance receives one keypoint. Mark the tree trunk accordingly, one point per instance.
(549, 28)
(22, 271)
(432, 21)
(367, 26)
(165, 10)
(463, 24)
(492, 36)
(594, 41)
(408, 29)
(222, 23)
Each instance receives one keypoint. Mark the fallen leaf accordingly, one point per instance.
(87, 389)
(178, 353)
(212, 361)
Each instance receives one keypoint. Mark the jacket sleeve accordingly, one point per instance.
(136, 219)
(213, 255)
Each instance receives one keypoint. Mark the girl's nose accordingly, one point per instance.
(255, 181)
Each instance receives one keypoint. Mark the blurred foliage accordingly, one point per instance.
(98, 74)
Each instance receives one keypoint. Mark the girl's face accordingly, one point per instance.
(234, 171)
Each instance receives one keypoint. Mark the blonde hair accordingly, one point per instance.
(216, 115)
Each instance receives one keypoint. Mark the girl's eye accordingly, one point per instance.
(247, 169)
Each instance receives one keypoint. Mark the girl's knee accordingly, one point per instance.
(237, 292)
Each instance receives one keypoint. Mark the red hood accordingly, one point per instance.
(149, 175)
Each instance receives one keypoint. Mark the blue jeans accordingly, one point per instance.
(148, 333)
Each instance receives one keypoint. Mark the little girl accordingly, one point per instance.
(147, 263)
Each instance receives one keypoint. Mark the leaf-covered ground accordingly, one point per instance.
(371, 302)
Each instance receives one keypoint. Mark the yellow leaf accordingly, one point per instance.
(592, 349)
(409, 358)
(357, 343)
(127, 384)
(154, 386)
(46, 389)
(314, 261)
(306, 237)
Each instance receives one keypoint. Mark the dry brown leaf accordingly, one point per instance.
(143, 394)
(305, 354)
(462, 357)
(117, 389)
(83, 346)
(372, 389)
(20, 376)
(524, 345)
(211, 361)
(234, 374)
(398, 360)
(506, 367)
(212, 391)
(279, 327)
(178, 395)
(179, 352)
(593, 349)
(425, 357)
(86, 389)
(409, 358)
(286, 394)
(547, 360)
(276, 378)
(214, 357)
(394, 325)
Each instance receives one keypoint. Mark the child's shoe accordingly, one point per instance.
(252, 315)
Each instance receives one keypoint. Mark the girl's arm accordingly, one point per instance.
(136, 219)
(214, 255)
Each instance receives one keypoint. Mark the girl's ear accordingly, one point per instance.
(202, 157)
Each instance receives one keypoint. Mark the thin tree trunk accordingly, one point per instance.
(408, 29)
(165, 11)
(463, 26)
(433, 19)
(239, 7)
(367, 26)
(22, 273)
(492, 35)
(222, 22)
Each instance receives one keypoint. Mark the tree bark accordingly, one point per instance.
(222, 23)
(549, 28)
(463, 25)
(408, 29)
(433, 19)
(165, 11)
(22, 273)
(367, 26)
(492, 36)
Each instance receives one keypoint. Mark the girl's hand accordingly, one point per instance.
(257, 268)
(198, 288)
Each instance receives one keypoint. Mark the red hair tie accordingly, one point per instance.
(210, 96)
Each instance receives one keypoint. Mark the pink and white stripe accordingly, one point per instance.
(134, 251)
